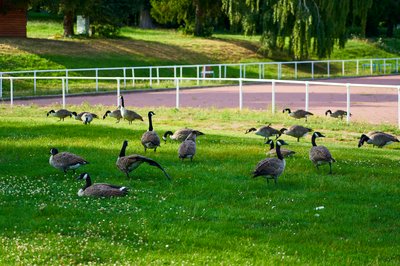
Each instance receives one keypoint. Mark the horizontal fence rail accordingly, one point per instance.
(238, 81)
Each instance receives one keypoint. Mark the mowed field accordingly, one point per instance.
(213, 211)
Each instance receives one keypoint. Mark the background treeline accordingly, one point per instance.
(297, 26)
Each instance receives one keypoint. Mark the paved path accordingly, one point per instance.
(374, 105)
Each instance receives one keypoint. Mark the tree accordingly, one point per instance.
(383, 13)
(307, 24)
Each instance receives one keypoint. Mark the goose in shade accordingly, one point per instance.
(298, 114)
(272, 168)
(337, 114)
(114, 114)
(179, 135)
(130, 162)
(296, 131)
(377, 138)
(320, 154)
(187, 149)
(65, 160)
(264, 131)
(128, 114)
(272, 151)
(100, 189)
(150, 138)
(62, 113)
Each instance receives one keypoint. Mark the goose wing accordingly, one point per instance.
(187, 148)
(68, 159)
(152, 138)
(105, 190)
(320, 154)
(269, 167)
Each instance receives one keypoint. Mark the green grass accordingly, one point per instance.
(212, 212)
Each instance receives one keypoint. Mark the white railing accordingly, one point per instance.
(238, 81)
(259, 70)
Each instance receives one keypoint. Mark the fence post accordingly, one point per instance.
(97, 79)
(295, 70)
(118, 91)
(279, 70)
(263, 70)
(358, 67)
(225, 71)
(328, 69)
(259, 71)
(124, 71)
(273, 96)
(307, 86)
(384, 66)
(63, 91)
(398, 106)
(219, 71)
(244, 71)
(11, 92)
(133, 77)
(34, 82)
(151, 77)
(66, 80)
(312, 70)
(177, 93)
(240, 94)
(1, 85)
(175, 74)
(342, 67)
(198, 75)
(240, 71)
(158, 75)
(397, 65)
(370, 66)
(348, 102)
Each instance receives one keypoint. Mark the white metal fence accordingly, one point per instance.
(238, 81)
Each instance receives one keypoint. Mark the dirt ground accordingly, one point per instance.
(373, 105)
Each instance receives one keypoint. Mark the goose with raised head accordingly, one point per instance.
(180, 135)
(65, 160)
(272, 168)
(298, 114)
(296, 131)
(379, 139)
(272, 150)
(114, 114)
(100, 189)
(128, 163)
(337, 114)
(150, 138)
(187, 149)
(128, 114)
(320, 154)
(62, 113)
(264, 131)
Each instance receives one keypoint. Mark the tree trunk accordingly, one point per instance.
(145, 21)
(68, 24)
(199, 19)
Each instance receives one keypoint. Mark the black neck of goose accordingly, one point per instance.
(123, 149)
(150, 123)
(271, 145)
(88, 183)
(278, 152)
(122, 102)
(313, 140)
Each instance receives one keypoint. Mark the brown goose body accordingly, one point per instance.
(114, 114)
(378, 139)
(62, 113)
(100, 189)
(296, 131)
(272, 150)
(128, 163)
(337, 114)
(82, 114)
(264, 131)
(187, 149)
(180, 135)
(128, 114)
(150, 138)
(65, 161)
(320, 154)
(298, 114)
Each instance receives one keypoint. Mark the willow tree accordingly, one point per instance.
(301, 26)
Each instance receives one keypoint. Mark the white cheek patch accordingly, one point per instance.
(80, 193)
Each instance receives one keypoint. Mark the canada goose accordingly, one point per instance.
(128, 114)
(337, 114)
(272, 168)
(320, 154)
(115, 114)
(100, 189)
(85, 117)
(180, 135)
(62, 113)
(379, 139)
(272, 151)
(298, 114)
(264, 131)
(296, 131)
(150, 138)
(187, 149)
(65, 160)
(129, 163)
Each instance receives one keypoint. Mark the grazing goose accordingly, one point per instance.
(272, 168)
(377, 138)
(115, 114)
(62, 113)
(180, 135)
(298, 114)
(296, 131)
(129, 163)
(337, 114)
(128, 114)
(187, 149)
(85, 117)
(100, 189)
(150, 138)
(65, 160)
(272, 151)
(265, 131)
(320, 154)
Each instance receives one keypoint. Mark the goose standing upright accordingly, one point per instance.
(379, 139)
(128, 163)
(100, 189)
(62, 113)
(272, 168)
(298, 114)
(65, 160)
(150, 138)
(187, 149)
(128, 114)
(320, 154)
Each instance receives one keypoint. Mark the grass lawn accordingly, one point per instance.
(212, 212)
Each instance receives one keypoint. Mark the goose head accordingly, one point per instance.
(105, 115)
(328, 112)
(363, 139)
(287, 109)
(318, 135)
(250, 130)
(84, 176)
(53, 151)
(50, 112)
(281, 142)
